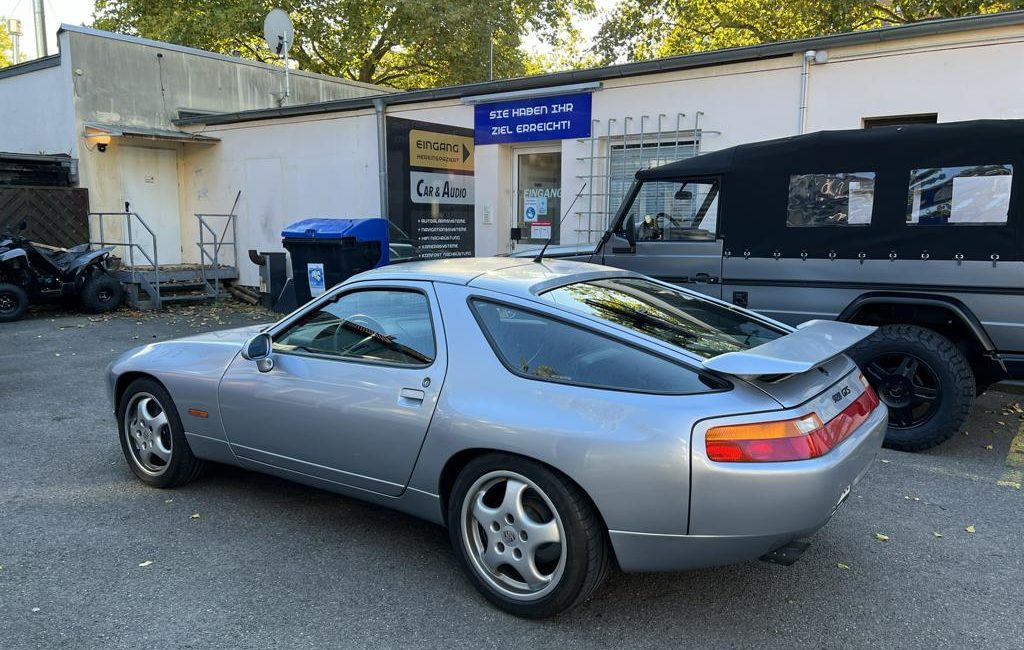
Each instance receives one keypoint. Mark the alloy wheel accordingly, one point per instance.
(148, 434)
(907, 385)
(8, 303)
(513, 535)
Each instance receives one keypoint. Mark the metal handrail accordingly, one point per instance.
(131, 244)
(217, 242)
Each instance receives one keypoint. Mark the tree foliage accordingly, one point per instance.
(401, 43)
(6, 47)
(641, 29)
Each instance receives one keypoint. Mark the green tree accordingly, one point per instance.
(401, 43)
(641, 29)
(6, 46)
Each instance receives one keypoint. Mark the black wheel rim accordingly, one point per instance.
(8, 302)
(907, 385)
(103, 295)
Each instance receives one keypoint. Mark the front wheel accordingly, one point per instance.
(924, 380)
(152, 438)
(101, 293)
(528, 538)
(13, 302)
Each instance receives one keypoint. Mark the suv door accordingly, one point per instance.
(669, 230)
(352, 390)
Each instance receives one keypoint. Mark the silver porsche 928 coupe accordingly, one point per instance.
(553, 415)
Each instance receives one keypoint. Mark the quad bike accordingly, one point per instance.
(32, 272)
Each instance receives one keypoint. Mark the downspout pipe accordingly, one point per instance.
(805, 69)
(382, 155)
(39, 18)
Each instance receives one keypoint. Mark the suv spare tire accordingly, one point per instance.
(924, 380)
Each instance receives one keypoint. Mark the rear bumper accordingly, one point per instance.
(740, 511)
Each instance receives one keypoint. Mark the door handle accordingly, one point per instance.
(624, 249)
(411, 397)
(704, 277)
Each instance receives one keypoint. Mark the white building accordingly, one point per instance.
(327, 159)
(105, 106)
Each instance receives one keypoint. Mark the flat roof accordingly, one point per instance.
(681, 62)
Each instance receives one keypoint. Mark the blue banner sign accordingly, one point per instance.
(541, 118)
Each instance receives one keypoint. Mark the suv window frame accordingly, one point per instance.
(724, 385)
(333, 298)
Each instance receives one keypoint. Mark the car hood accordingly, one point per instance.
(235, 336)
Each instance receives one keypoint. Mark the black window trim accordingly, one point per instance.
(700, 372)
(367, 362)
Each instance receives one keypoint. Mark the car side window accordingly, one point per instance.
(378, 325)
(540, 347)
(832, 199)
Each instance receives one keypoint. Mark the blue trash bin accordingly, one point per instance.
(325, 252)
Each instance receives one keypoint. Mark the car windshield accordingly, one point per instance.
(667, 314)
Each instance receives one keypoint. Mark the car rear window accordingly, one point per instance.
(673, 316)
(539, 347)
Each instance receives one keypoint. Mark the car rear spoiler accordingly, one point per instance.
(812, 344)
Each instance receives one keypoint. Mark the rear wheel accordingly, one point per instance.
(101, 292)
(924, 380)
(528, 538)
(13, 302)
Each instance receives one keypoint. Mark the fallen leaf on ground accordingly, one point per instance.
(986, 446)
(884, 460)
(937, 534)
(970, 529)
(168, 500)
(195, 515)
(35, 609)
(1001, 423)
(882, 538)
(842, 566)
(146, 563)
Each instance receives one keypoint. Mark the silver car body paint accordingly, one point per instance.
(386, 434)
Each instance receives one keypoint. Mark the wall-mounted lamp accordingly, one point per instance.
(99, 138)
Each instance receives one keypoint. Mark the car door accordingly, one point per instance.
(669, 231)
(353, 387)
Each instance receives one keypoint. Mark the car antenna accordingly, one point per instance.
(540, 255)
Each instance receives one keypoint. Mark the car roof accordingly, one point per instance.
(516, 276)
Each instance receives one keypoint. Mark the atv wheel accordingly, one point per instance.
(101, 293)
(924, 380)
(13, 302)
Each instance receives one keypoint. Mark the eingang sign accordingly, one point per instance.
(540, 118)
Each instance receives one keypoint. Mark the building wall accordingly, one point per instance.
(963, 76)
(36, 114)
(286, 171)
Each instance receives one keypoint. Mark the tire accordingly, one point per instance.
(101, 293)
(910, 365)
(13, 302)
(523, 502)
(154, 446)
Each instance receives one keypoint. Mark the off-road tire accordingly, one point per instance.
(588, 557)
(101, 293)
(956, 388)
(13, 302)
(183, 466)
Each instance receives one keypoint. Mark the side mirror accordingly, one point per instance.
(259, 349)
(629, 229)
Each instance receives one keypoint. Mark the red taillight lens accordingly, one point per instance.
(784, 440)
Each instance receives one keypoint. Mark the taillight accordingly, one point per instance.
(782, 440)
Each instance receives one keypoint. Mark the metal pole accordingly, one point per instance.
(696, 130)
(805, 70)
(490, 57)
(382, 156)
(607, 176)
(39, 15)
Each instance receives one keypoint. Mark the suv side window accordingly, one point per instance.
(682, 210)
(376, 325)
(972, 195)
(540, 347)
(832, 199)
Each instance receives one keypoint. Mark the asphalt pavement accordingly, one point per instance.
(91, 558)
